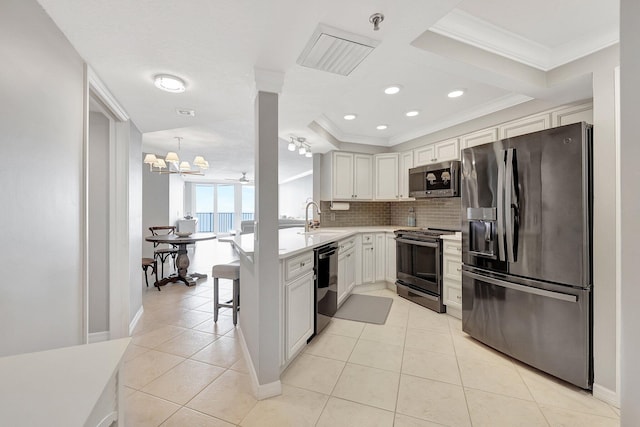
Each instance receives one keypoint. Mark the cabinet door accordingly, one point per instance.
(447, 150)
(391, 258)
(342, 278)
(573, 114)
(480, 137)
(342, 176)
(362, 176)
(452, 268)
(368, 268)
(526, 125)
(350, 270)
(380, 252)
(299, 313)
(423, 155)
(386, 176)
(405, 163)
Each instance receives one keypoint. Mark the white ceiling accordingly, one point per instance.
(214, 46)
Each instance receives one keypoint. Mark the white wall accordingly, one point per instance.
(41, 118)
(293, 196)
(176, 198)
(135, 221)
(630, 179)
(155, 205)
(98, 176)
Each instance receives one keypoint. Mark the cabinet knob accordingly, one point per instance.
(348, 255)
(458, 297)
(458, 269)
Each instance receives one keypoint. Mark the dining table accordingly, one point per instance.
(182, 258)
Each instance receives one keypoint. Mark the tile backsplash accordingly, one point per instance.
(439, 213)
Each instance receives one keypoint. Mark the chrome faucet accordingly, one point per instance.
(306, 214)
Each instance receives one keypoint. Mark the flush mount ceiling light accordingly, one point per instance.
(169, 83)
(412, 113)
(172, 163)
(456, 93)
(382, 127)
(350, 117)
(392, 90)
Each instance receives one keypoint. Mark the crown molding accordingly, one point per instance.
(330, 127)
(474, 31)
(499, 104)
(105, 96)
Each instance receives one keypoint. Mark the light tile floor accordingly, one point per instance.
(417, 370)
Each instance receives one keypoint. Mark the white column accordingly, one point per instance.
(630, 210)
(260, 294)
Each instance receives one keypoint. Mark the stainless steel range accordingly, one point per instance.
(419, 266)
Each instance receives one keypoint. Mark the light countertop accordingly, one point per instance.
(293, 241)
(456, 237)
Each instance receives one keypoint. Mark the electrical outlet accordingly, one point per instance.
(333, 216)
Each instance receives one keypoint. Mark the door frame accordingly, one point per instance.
(118, 252)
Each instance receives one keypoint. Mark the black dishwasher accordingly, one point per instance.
(326, 286)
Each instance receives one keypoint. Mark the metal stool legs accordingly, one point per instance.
(234, 303)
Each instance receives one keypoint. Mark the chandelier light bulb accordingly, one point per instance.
(302, 150)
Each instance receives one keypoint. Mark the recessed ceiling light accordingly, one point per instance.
(392, 90)
(381, 127)
(169, 83)
(412, 113)
(456, 93)
(186, 112)
(349, 116)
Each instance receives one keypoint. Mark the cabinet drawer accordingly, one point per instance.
(346, 244)
(452, 268)
(452, 247)
(453, 295)
(298, 265)
(367, 239)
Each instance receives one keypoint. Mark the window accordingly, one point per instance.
(216, 207)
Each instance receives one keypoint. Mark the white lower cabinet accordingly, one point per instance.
(452, 276)
(368, 259)
(346, 268)
(380, 251)
(299, 313)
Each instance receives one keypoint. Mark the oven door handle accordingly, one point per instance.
(416, 242)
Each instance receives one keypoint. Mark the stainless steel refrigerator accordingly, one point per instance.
(527, 248)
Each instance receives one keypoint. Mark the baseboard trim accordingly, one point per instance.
(98, 337)
(606, 395)
(368, 287)
(260, 391)
(134, 321)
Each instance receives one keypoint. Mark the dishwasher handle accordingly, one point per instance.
(325, 255)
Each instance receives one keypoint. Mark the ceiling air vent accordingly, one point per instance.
(335, 51)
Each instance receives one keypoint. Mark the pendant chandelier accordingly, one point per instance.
(173, 165)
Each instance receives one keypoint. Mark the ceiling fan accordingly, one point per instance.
(242, 180)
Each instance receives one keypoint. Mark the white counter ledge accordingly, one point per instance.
(456, 237)
(70, 386)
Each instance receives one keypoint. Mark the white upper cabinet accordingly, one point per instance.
(573, 114)
(386, 176)
(348, 176)
(480, 137)
(447, 150)
(423, 155)
(342, 180)
(439, 152)
(405, 162)
(362, 172)
(526, 125)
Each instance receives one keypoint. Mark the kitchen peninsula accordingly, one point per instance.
(367, 261)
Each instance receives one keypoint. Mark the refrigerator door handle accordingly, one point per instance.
(509, 207)
(521, 288)
(500, 208)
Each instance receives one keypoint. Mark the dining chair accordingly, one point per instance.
(150, 262)
(162, 250)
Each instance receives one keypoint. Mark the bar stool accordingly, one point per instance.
(229, 271)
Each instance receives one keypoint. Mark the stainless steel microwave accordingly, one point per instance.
(435, 180)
